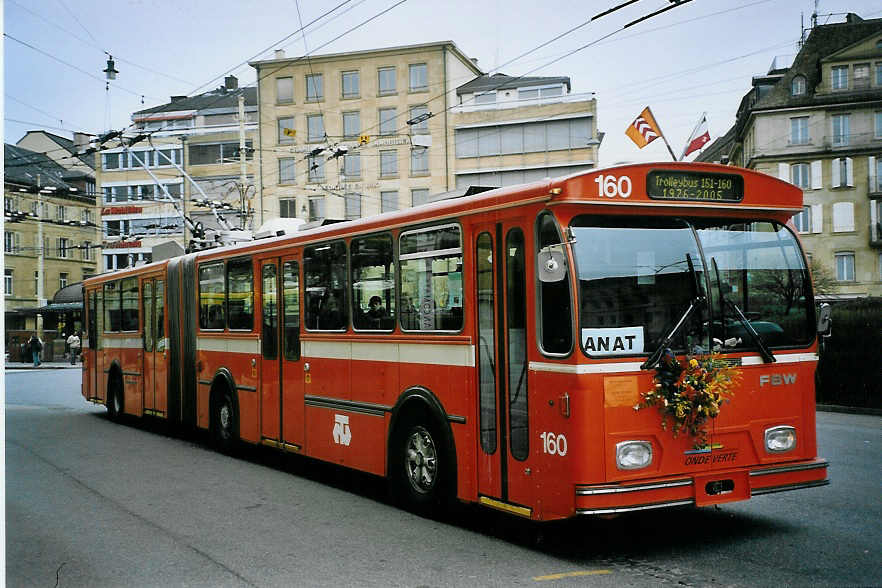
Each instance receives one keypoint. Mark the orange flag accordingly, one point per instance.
(644, 130)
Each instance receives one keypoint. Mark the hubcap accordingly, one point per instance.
(225, 416)
(421, 460)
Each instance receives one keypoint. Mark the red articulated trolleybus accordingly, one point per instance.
(493, 348)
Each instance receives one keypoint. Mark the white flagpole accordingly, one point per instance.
(692, 135)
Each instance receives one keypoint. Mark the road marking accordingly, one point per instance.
(571, 575)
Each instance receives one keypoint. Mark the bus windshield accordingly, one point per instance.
(639, 278)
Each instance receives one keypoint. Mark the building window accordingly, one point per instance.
(485, 98)
(86, 216)
(87, 251)
(351, 124)
(286, 129)
(840, 130)
(419, 196)
(843, 217)
(62, 280)
(63, 246)
(879, 73)
(315, 90)
(388, 164)
(803, 220)
(352, 166)
(421, 127)
(386, 80)
(861, 76)
(388, 200)
(878, 124)
(316, 168)
(845, 267)
(419, 77)
(9, 205)
(800, 175)
(419, 161)
(524, 138)
(61, 213)
(288, 208)
(797, 86)
(878, 186)
(11, 242)
(353, 206)
(284, 90)
(315, 126)
(387, 121)
(839, 77)
(350, 84)
(7, 282)
(218, 153)
(286, 170)
(316, 208)
(799, 130)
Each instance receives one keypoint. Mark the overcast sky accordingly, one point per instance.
(696, 57)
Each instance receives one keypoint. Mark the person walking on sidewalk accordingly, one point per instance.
(36, 347)
(74, 343)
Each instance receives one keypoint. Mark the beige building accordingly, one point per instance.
(50, 236)
(193, 154)
(353, 134)
(818, 124)
(510, 130)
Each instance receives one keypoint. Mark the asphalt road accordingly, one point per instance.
(93, 503)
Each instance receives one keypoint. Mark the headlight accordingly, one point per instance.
(780, 439)
(633, 455)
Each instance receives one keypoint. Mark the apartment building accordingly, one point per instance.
(348, 135)
(192, 153)
(818, 124)
(50, 235)
(510, 130)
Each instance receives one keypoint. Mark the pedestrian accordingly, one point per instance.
(74, 343)
(36, 347)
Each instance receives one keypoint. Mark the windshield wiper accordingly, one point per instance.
(697, 300)
(761, 345)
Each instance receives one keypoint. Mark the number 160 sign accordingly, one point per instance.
(613, 186)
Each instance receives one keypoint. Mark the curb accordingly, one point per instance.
(849, 409)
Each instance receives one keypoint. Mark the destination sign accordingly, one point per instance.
(691, 185)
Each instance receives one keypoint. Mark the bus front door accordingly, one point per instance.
(281, 382)
(500, 280)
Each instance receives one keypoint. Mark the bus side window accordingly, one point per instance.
(291, 310)
(431, 277)
(555, 304)
(211, 296)
(373, 283)
(324, 271)
(112, 317)
(240, 294)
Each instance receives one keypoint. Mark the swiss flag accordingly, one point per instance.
(700, 136)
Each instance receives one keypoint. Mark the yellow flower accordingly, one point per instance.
(693, 363)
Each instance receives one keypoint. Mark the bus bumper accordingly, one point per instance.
(703, 489)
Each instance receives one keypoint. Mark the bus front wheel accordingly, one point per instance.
(420, 467)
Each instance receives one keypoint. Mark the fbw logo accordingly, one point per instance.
(342, 434)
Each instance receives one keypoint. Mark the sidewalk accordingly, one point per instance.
(46, 365)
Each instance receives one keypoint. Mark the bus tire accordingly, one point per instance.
(420, 466)
(223, 421)
(115, 397)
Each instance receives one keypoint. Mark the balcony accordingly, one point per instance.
(503, 104)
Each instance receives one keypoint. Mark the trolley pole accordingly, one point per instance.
(243, 170)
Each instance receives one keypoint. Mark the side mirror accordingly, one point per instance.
(825, 320)
(552, 265)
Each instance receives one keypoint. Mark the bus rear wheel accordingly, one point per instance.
(115, 407)
(223, 422)
(420, 467)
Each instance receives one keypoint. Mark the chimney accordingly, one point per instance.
(178, 98)
(474, 61)
(231, 82)
(81, 141)
(852, 18)
(279, 54)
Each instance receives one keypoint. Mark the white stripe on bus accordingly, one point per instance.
(126, 343)
(630, 366)
(431, 353)
(228, 345)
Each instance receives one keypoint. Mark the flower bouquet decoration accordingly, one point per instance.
(688, 395)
